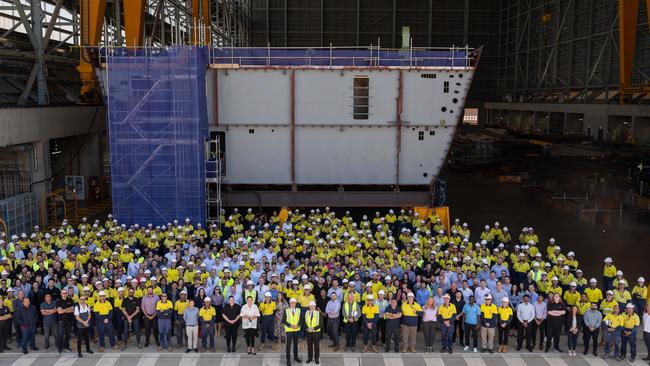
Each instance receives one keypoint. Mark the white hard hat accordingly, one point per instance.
(608, 260)
(102, 293)
(593, 280)
(267, 294)
(573, 284)
(554, 278)
(641, 279)
(293, 299)
(505, 299)
(312, 303)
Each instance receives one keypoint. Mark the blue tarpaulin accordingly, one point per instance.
(157, 130)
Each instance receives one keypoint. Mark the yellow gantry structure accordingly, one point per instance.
(628, 12)
(92, 13)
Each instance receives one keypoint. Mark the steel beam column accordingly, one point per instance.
(134, 22)
(39, 49)
(201, 33)
(628, 11)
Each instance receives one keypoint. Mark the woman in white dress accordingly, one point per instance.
(249, 315)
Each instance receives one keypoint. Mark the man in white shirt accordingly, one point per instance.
(525, 315)
(480, 292)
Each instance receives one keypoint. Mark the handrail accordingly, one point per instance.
(450, 57)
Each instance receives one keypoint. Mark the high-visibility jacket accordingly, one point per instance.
(537, 276)
(349, 310)
(293, 318)
(252, 293)
(312, 320)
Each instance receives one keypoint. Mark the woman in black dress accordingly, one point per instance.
(230, 313)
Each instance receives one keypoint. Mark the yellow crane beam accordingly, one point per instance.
(134, 22)
(91, 16)
(628, 14)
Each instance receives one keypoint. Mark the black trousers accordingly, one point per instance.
(231, 334)
(313, 346)
(538, 329)
(381, 330)
(590, 336)
(249, 335)
(292, 338)
(5, 329)
(553, 330)
(393, 333)
(149, 326)
(63, 335)
(459, 330)
(471, 330)
(83, 335)
(350, 334)
(524, 333)
(503, 334)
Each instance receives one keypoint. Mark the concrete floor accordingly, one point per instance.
(327, 359)
(481, 200)
(149, 357)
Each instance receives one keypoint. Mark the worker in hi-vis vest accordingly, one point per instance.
(292, 321)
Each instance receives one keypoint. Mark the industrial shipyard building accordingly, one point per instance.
(532, 113)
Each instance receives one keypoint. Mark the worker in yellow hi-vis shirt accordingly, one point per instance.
(631, 323)
(104, 312)
(614, 324)
(639, 296)
(447, 317)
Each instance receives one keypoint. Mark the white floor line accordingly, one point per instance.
(66, 360)
(514, 360)
(271, 359)
(433, 360)
(349, 360)
(108, 359)
(555, 361)
(230, 360)
(148, 359)
(25, 360)
(392, 360)
(472, 360)
(188, 359)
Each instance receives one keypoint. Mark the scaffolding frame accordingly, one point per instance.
(566, 51)
(214, 173)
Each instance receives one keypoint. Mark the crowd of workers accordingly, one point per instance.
(310, 275)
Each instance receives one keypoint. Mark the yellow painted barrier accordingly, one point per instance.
(441, 212)
(423, 212)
